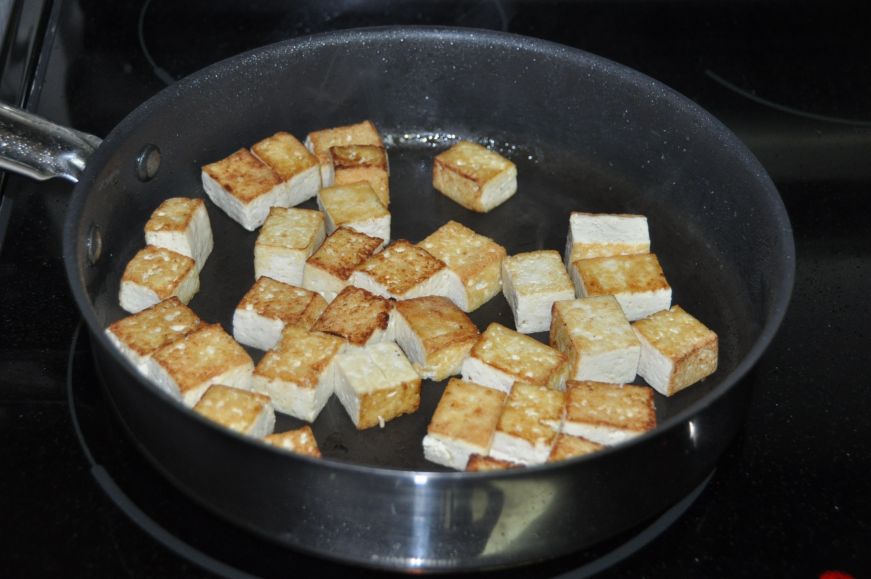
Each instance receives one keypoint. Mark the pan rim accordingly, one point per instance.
(714, 127)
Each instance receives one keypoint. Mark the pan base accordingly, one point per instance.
(176, 523)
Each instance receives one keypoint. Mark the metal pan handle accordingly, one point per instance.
(40, 149)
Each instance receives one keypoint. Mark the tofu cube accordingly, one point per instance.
(297, 168)
(209, 355)
(301, 441)
(677, 350)
(529, 424)
(637, 281)
(353, 163)
(480, 463)
(244, 411)
(155, 274)
(359, 317)
(568, 446)
(355, 206)
(597, 339)
(435, 335)
(182, 225)
(328, 269)
(462, 424)
(320, 142)
(502, 356)
(608, 413)
(270, 306)
(376, 384)
(137, 337)
(404, 271)
(474, 176)
(297, 373)
(244, 187)
(476, 260)
(288, 238)
(604, 235)
(532, 282)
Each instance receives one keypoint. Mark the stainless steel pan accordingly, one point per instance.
(586, 133)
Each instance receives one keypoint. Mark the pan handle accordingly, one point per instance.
(40, 149)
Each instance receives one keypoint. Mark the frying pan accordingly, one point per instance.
(586, 134)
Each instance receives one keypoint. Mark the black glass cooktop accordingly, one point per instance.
(790, 498)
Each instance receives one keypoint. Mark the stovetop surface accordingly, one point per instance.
(790, 498)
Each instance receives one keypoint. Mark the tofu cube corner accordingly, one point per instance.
(475, 177)
(532, 282)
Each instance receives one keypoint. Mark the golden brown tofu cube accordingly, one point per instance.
(502, 356)
(244, 411)
(463, 423)
(356, 206)
(529, 424)
(480, 463)
(328, 269)
(435, 334)
(357, 316)
(677, 350)
(293, 164)
(155, 274)
(301, 441)
(244, 187)
(404, 271)
(319, 143)
(567, 446)
(608, 413)
(474, 258)
(353, 163)
(474, 176)
(182, 225)
(287, 239)
(637, 281)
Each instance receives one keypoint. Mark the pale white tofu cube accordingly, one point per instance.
(355, 206)
(605, 234)
(298, 373)
(287, 239)
(182, 225)
(404, 271)
(270, 306)
(329, 268)
(244, 411)
(463, 423)
(138, 336)
(529, 424)
(209, 355)
(502, 357)
(155, 274)
(637, 281)
(532, 282)
(376, 384)
(597, 339)
(293, 163)
(608, 414)
(474, 176)
(677, 350)
(245, 188)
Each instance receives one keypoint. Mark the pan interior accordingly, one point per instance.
(583, 138)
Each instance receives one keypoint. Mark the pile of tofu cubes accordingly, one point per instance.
(339, 308)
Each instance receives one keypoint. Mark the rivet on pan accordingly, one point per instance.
(147, 162)
(94, 244)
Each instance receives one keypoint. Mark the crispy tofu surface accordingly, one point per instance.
(292, 305)
(401, 266)
(203, 354)
(521, 356)
(284, 154)
(351, 203)
(467, 412)
(300, 357)
(355, 315)
(291, 228)
(437, 322)
(532, 413)
(474, 162)
(173, 214)
(568, 446)
(621, 273)
(343, 251)
(479, 463)
(625, 407)
(301, 441)
(362, 133)
(243, 175)
(158, 269)
(155, 327)
(590, 326)
(231, 407)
